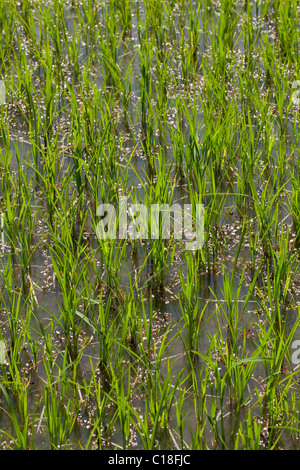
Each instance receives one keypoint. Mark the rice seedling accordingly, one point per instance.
(190, 304)
(22, 423)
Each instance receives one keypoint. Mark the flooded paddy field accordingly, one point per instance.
(145, 339)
